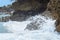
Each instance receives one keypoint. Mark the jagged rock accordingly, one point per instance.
(54, 16)
(26, 5)
(58, 25)
(54, 8)
(35, 25)
(22, 15)
(58, 28)
(41, 5)
(26, 8)
(32, 26)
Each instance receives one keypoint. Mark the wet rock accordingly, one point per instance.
(54, 8)
(4, 19)
(58, 28)
(32, 26)
(35, 25)
(23, 15)
(29, 4)
(58, 25)
(26, 8)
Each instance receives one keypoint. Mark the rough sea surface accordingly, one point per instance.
(13, 30)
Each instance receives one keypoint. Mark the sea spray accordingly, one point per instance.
(46, 31)
(15, 26)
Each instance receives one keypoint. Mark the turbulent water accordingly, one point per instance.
(16, 30)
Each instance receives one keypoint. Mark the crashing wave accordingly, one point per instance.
(45, 29)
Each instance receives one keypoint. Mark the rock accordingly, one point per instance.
(22, 15)
(32, 26)
(26, 8)
(19, 16)
(35, 25)
(47, 14)
(39, 6)
(26, 5)
(54, 8)
(58, 28)
(58, 25)
(4, 19)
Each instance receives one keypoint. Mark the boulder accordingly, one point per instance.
(32, 26)
(58, 28)
(35, 24)
(23, 15)
(54, 8)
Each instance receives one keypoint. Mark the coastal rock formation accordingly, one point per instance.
(22, 15)
(33, 26)
(54, 8)
(25, 5)
(26, 8)
(36, 23)
(4, 19)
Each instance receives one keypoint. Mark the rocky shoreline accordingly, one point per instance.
(27, 8)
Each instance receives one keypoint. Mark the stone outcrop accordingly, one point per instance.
(54, 8)
(33, 26)
(26, 5)
(26, 8)
(54, 16)
(22, 15)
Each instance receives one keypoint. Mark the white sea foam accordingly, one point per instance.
(46, 31)
(14, 26)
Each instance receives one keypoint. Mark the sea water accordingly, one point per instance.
(17, 32)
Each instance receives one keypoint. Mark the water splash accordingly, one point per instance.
(46, 31)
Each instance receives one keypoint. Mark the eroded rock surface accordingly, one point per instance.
(35, 24)
(29, 4)
(54, 8)
(26, 8)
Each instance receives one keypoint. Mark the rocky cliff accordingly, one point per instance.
(26, 5)
(54, 8)
(27, 8)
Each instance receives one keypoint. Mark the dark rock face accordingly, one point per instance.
(26, 5)
(32, 26)
(30, 5)
(54, 8)
(58, 25)
(23, 15)
(35, 25)
(26, 8)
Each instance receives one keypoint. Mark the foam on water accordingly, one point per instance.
(15, 27)
(46, 31)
